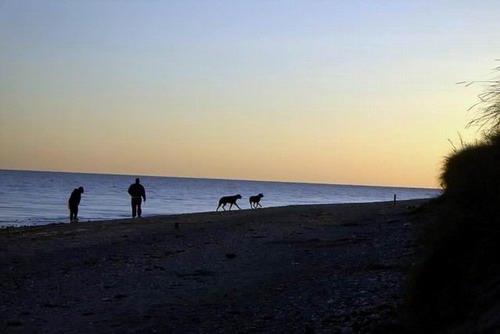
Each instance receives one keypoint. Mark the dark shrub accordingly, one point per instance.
(462, 245)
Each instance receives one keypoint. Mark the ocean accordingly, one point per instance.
(38, 198)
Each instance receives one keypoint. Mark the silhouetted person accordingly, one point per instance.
(137, 192)
(73, 202)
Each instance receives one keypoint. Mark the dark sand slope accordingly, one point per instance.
(321, 268)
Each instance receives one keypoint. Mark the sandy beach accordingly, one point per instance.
(298, 269)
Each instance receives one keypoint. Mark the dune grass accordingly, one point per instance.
(488, 107)
(457, 285)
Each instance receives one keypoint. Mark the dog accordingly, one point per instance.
(228, 199)
(255, 201)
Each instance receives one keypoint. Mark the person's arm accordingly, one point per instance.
(144, 194)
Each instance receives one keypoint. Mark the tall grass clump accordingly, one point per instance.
(457, 287)
(488, 108)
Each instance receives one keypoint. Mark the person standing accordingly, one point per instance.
(73, 202)
(137, 193)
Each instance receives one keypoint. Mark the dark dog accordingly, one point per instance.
(255, 201)
(228, 199)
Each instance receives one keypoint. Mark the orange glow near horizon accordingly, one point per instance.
(300, 94)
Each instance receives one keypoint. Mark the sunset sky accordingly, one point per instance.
(344, 92)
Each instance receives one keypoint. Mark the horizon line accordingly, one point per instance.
(216, 178)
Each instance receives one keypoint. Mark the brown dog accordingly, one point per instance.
(255, 201)
(228, 199)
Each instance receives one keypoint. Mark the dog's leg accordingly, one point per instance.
(237, 205)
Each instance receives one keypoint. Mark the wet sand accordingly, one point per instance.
(298, 269)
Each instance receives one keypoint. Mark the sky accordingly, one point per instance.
(340, 92)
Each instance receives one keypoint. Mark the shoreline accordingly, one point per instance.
(166, 216)
(326, 267)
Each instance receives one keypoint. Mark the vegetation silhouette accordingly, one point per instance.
(457, 286)
(488, 107)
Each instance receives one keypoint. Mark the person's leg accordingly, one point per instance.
(72, 213)
(139, 209)
(133, 208)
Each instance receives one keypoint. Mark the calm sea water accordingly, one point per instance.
(37, 198)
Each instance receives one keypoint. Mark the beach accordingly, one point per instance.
(299, 269)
